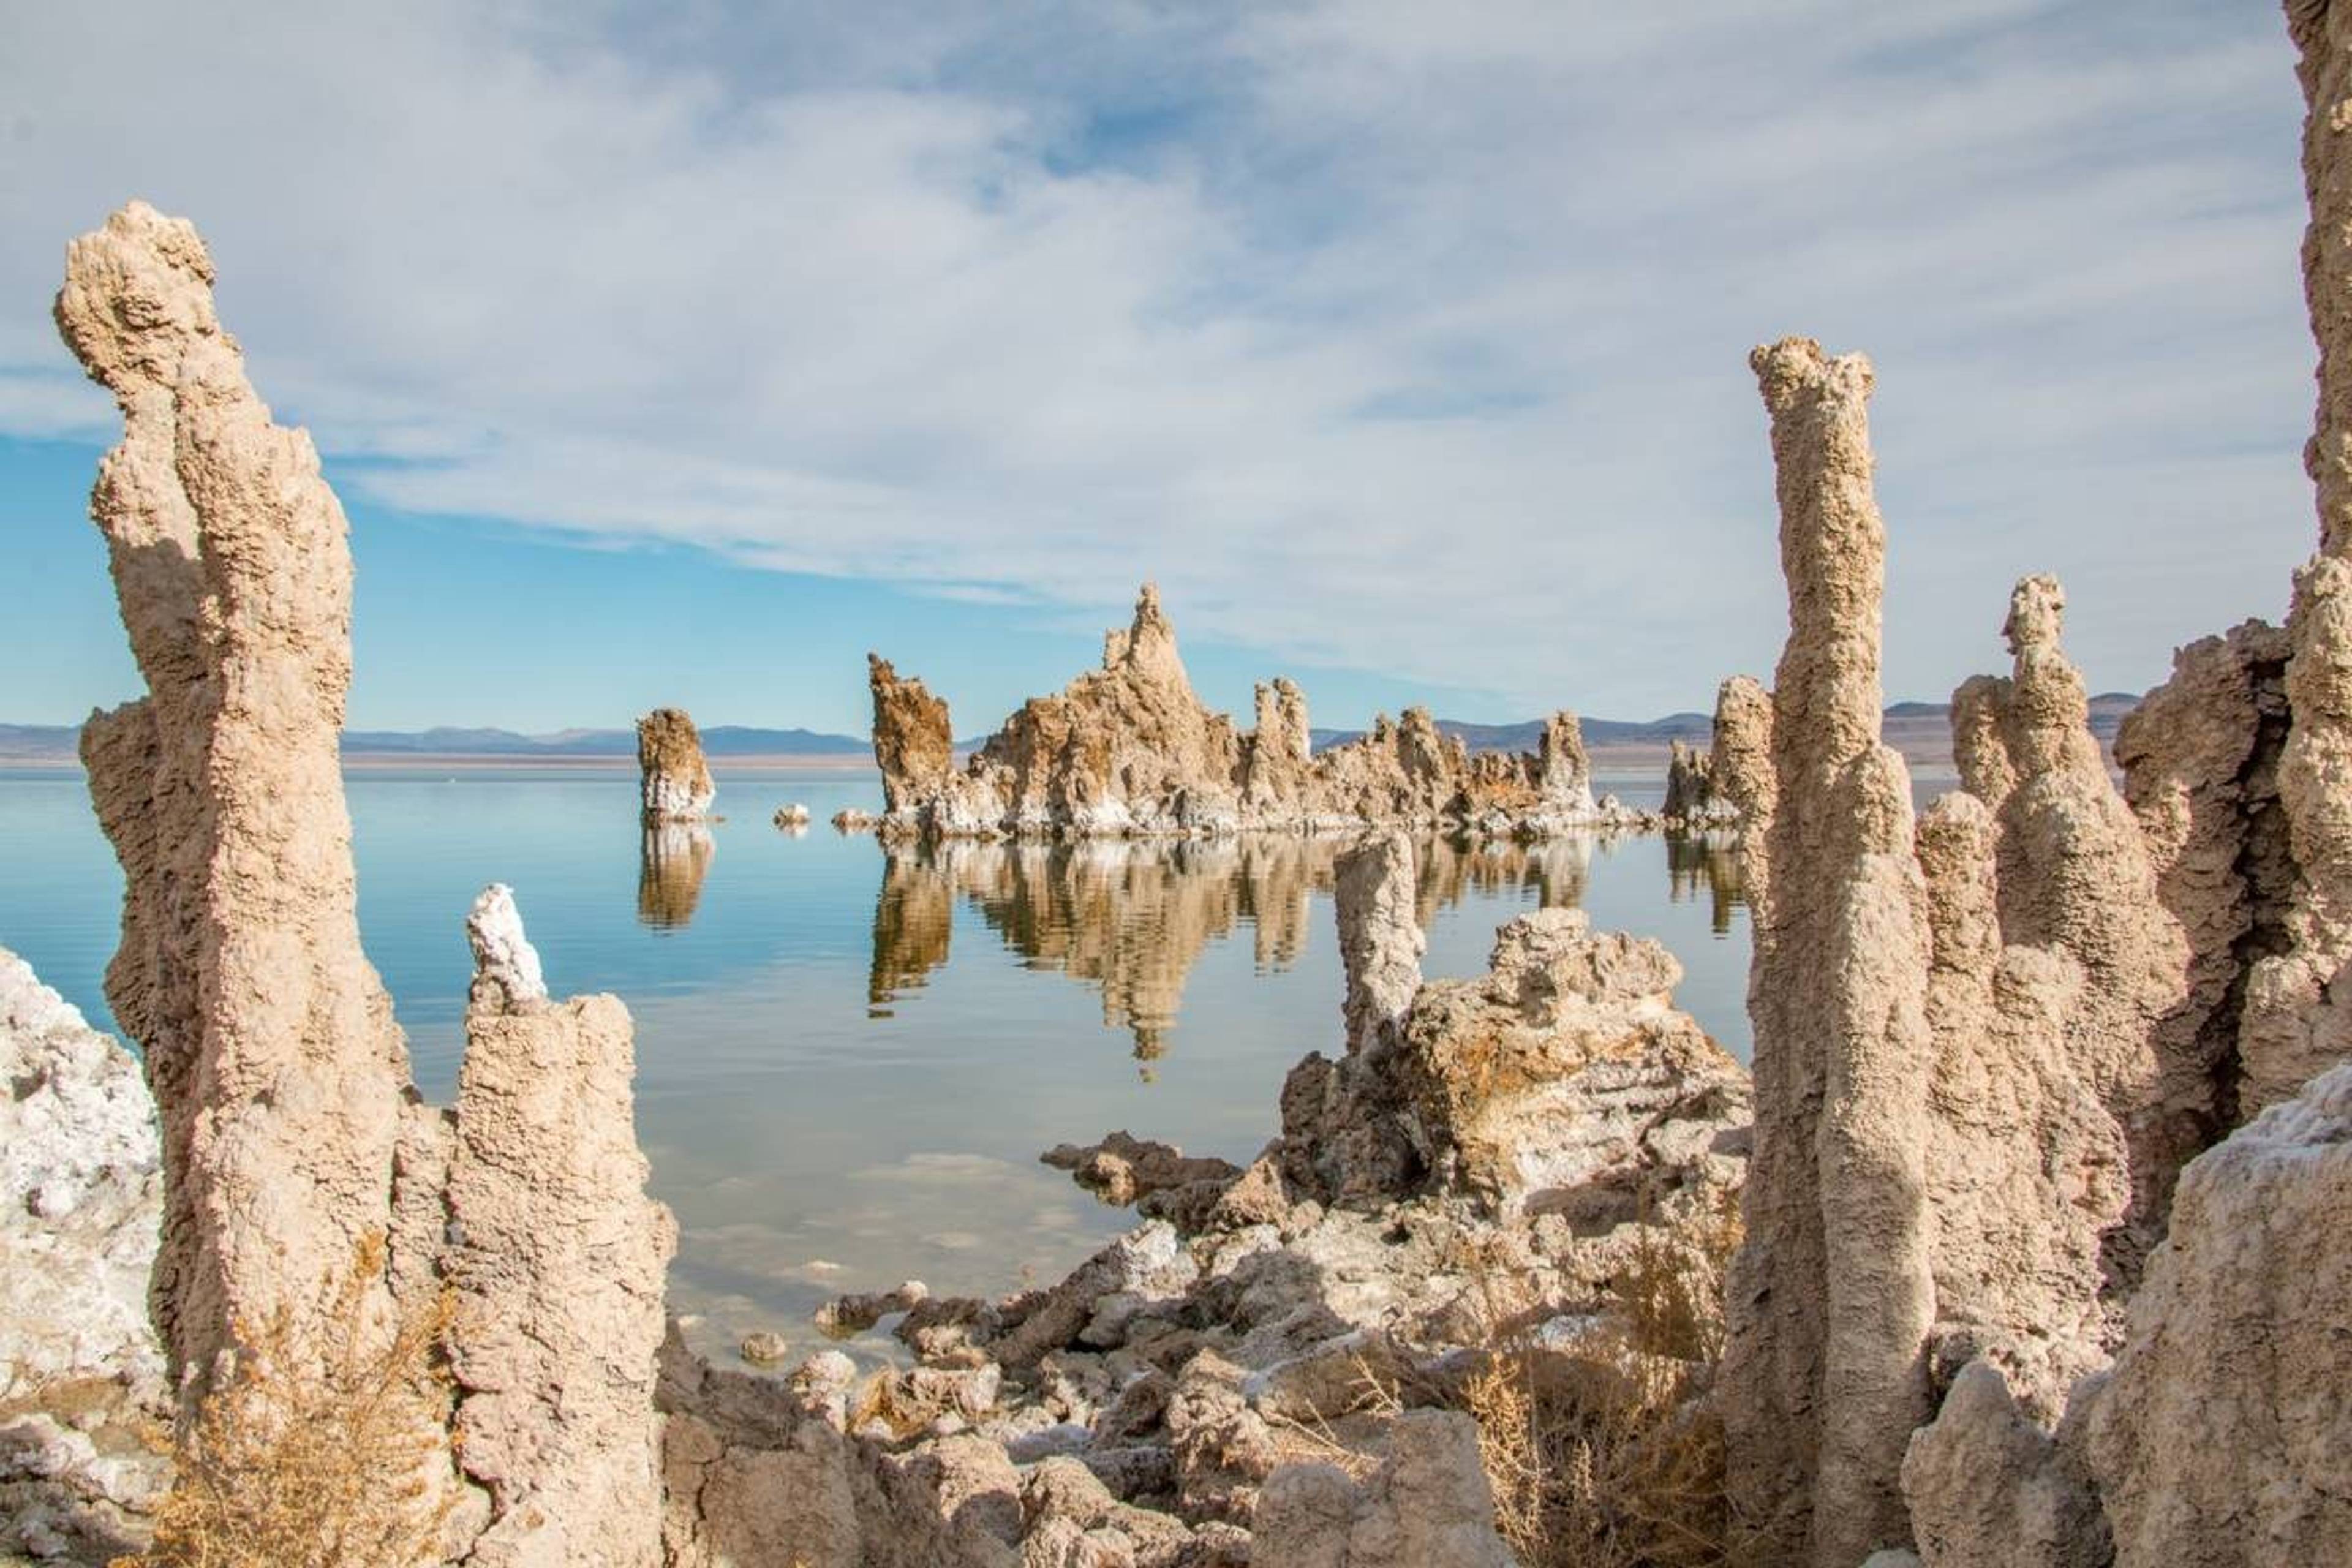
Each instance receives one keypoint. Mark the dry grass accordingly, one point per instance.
(329, 1465)
(1604, 1455)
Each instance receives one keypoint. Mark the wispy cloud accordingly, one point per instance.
(1385, 335)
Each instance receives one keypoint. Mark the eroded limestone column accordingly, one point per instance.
(1830, 1298)
(268, 1038)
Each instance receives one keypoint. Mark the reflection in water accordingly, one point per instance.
(1710, 860)
(1131, 918)
(672, 861)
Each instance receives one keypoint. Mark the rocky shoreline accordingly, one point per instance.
(2037, 1260)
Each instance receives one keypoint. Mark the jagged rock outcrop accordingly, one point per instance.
(2201, 757)
(2111, 989)
(80, 1202)
(1740, 764)
(1562, 1081)
(911, 740)
(292, 1140)
(672, 777)
(1128, 749)
(1975, 1077)
(1278, 755)
(2295, 1020)
(2076, 876)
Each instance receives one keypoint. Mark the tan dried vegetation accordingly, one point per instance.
(1604, 1452)
(325, 1466)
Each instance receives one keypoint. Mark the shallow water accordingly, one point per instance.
(848, 1061)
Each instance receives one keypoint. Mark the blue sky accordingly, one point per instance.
(682, 352)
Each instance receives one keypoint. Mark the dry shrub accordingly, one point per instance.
(318, 1466)
(1604, 1454)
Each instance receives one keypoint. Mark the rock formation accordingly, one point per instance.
(2112, 988)
(673, 778)
(267, 1036)
(1427, 1504)
(556, 1257)
(292, 1141)
(2219, 1436)
(1128, 749)
(1970, 1093)
(1832, 1296)
(1563, 1081)
(80, 1202)
(1692, 798)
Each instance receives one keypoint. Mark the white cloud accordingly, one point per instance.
(1392, 336)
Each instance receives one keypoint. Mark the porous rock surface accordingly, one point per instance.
(2135, 1103)
(2218, 1438)
(672, 777)
(1972, 1087)
(269, 1040)
(1692, 798)
(81, 1378)
(1831, 1295)
(1128, 749)
(291, 1134)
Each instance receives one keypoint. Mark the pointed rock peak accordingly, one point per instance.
(507, 976)
(1149, 645)
(2037, 609)
(1147, 607)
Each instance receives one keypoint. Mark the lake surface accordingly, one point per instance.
(849, 1061)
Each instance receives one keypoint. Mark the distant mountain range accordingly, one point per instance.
(56, 743)
(1917, 729)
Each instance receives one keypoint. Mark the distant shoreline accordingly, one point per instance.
(1606, 762)
(500, 762)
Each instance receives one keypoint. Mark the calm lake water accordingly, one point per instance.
(848, 1061)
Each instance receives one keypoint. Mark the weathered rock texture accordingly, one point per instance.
(2219, 1436)
(556, 1257)
(1974, 1087)
(269, 1040)
(1562, 1081)
(1832, 1296)
(290, 1133)
(673, 778)
(1128, 749)
(1427, 1504)
(2112, 987)
(80, 1204)
(1692, 798)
